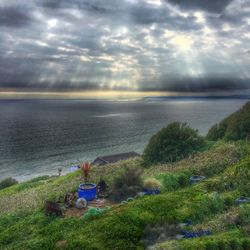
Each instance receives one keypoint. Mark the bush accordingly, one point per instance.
(158, 232)
(245, 243)
(217, 132)
(127, 184)
(234, 127)
(173, 181)
(172, 143)
(152, 183)
(8, 182)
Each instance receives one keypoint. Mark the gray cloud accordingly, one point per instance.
(144, 15)
(96, 6)
(141, 44)
(209, 84)
(215, 6)
(13, 17)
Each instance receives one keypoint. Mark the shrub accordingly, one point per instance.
(85, 169)
(127, 184)
(245, 215)
(245, 243)
(172, 182)
(217, 132)
(172, 143)
(211, 245)
(8, 182)
(234, 127)
(158, 232)
(152, 183)
(206, 206)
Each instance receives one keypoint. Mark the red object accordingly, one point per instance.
(85, 167)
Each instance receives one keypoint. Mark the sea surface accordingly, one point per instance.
(39, 136)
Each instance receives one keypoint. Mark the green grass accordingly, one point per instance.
(234, 127)
(32, 195)
(230, 240)
(209, 204)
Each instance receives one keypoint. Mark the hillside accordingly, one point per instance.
(234, 127)
(209, 205)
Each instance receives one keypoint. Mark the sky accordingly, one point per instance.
(97, 46)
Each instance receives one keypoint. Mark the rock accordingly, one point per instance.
(81, 203)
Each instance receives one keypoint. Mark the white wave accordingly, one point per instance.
(111, 115)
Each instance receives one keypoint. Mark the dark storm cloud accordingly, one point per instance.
(52, 4)
(145, 15)
(208, 84)
(199, 85)
(13, 17)
(216, 6)
(100, 7)
(125, 44)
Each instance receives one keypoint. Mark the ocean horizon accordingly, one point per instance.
(39, 136)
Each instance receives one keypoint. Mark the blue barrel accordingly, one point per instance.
(243, 200)
(152, 191)
(87, 191)
(196, 178)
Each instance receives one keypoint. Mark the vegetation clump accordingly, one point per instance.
(152, 183)
(172, 143)
(8, 182)
(155, 233)
(85, 169)
(127, 184)
(234, 127)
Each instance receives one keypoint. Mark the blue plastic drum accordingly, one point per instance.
(152, 191)
(87, 191)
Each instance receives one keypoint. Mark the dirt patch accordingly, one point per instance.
(61, 244)
(74, 212)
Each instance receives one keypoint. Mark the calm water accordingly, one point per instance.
(38, 137)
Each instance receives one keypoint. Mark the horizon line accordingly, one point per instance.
(114, 94)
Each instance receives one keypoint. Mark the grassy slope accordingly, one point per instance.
(24, 226)
(234, 127)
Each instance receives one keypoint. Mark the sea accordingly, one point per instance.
(39, 136)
